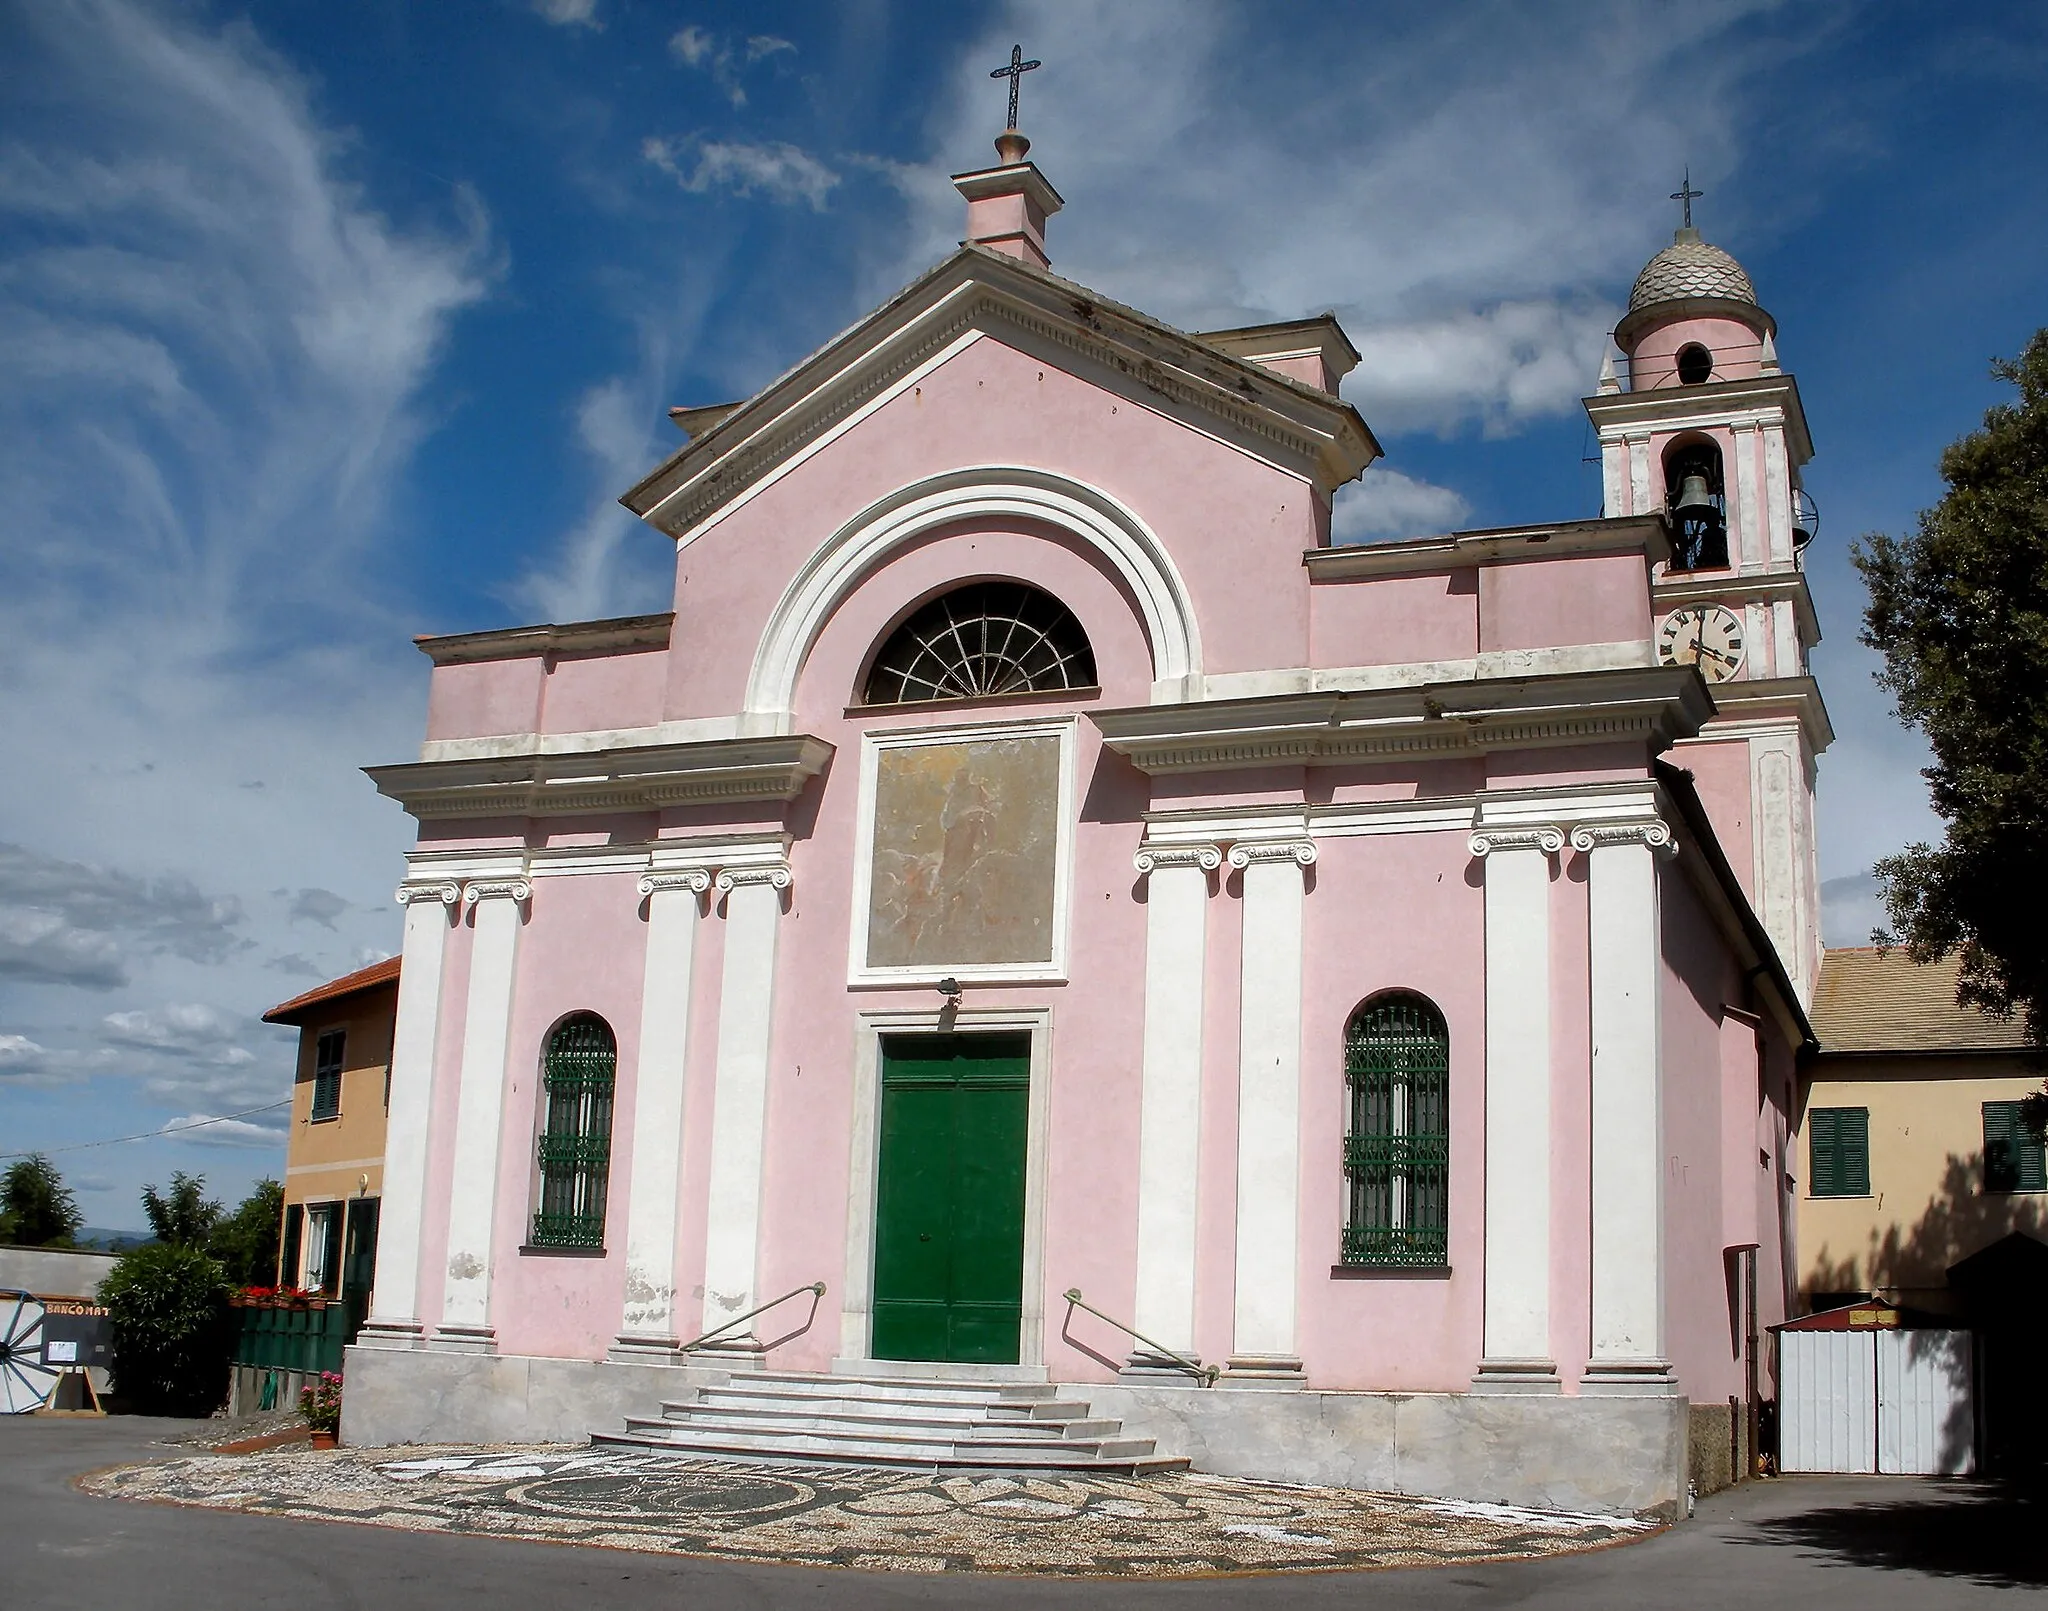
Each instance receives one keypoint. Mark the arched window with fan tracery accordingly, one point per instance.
(982, 641)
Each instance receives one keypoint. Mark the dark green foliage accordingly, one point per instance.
(1959, 610)
(36, 1208)
(184, 1216)
(245, 1242)
(172, 1328)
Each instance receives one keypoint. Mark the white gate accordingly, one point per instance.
(1875, 1401)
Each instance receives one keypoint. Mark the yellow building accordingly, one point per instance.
(334, 1162)
(1914, 1155)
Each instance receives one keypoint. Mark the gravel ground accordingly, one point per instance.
(1174, 1525)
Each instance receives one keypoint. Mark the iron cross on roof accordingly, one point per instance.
(1014, 73)
(1686, 194)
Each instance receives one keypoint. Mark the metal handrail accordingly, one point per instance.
(816, 1289)
(1207, 1374)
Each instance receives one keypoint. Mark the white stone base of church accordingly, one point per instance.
(1609, 1455)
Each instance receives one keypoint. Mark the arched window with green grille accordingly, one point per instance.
(578, 1071)
(1397, 1139)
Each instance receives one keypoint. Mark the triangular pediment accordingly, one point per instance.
(980, 291)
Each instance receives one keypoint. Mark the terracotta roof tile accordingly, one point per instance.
(1870, 1000)
(349, 984)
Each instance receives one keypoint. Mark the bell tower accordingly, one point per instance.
(1703, 427)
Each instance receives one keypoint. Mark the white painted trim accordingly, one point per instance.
(1777, 493)
(1639, 474)
(1517, 846)
(649, 1308)
(1624, 654)
(414, 1035)
(1751, 551)
(480, 1104)
(739, 1103)
(839, 564)
(1053, 970)
(1269, 1101)
(857, 1290)
(1170, 1100)
(1624, 959)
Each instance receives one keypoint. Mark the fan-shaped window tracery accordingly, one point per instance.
(980, 641)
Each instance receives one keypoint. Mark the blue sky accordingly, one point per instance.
(325, 325)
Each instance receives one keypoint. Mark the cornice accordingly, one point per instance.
(1717, 402)
(1644, 534)
(642, 778)
(1655, 705)
(976, 288)
(1755, 699)
(1669, 591)
(574, 637)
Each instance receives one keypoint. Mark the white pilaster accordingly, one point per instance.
(1629, 1352)
(1778, 493)
(394, 1320)
(480, 1104)
(1170, 1129)
(1613, 477)
(1263, 1347)
(1516, 1326)
(647, 1323)
(1748, 512)
(739, 1104)
(1639, 473)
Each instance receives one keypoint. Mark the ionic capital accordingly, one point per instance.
(1653, 833)
(696, 880)
(1487, 841)
(446, 891)
(1300, 851)
(516, 890)
(1150, 858)
(775, 873)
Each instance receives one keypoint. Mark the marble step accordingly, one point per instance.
(1123, 1455)
(732, 1400)
(891, 1389)
(949, 1428)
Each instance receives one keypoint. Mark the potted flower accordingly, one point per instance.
(320, 1407)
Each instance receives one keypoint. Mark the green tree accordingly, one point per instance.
(172, 1328)
(245, 1242)
(1959, 610)
(184, 1216)
(36, 1208)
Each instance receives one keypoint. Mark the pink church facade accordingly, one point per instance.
(1378, 971)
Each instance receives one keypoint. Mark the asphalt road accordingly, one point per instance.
(1871, 1543)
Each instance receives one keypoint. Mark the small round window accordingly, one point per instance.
(1695, 364)
(982, 640)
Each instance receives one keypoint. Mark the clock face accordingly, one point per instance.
(1708, 636)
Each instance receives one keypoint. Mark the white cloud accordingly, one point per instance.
(189, 1030)
(321, 906)
(568, 13)
(778, 169)
(723, 56)
(210, 1130)
(1386, 503)
(65, 922)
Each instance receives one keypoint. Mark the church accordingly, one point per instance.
(1037, 913)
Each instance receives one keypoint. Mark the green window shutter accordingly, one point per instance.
(327, 1061)
(1852, 1152)
(2013, 1153)
(1397, 1146)
(1820, 1152)
(575, 1146)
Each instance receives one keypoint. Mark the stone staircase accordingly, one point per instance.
(892, 1420)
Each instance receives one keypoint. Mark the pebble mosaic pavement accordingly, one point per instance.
(1178, 1525)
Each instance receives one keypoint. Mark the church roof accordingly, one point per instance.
(1872, 1000)
(977, 286)
(1690, 267)
(349, 984)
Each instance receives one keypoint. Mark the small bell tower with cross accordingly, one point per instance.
(1007, 205)
(1704, 429)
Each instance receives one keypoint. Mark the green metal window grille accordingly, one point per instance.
(2014, 1156)
(575, 1148)
(1838, 1152)
(1397, 1145)
(327, 1058)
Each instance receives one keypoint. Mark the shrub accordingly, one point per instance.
(173, 1330)
(320, 1404)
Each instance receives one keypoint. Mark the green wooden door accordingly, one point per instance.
(949, 1235)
